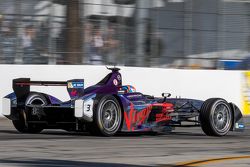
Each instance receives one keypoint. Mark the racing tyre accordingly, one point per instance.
(216, 117)
(21, 124)
(107, 117)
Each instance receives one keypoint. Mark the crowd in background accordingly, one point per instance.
(100, 47)
(189, 34)
(30, 44)
(7, 43)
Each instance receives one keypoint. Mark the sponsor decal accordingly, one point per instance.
(138, 114)
(121, 91)
(73, 93)
(119, 77)
(115, 82)
(75, 85)
(135, 118)
(162, 117)
(241, 126)
(134, 96)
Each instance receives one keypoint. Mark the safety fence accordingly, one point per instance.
(159, 33)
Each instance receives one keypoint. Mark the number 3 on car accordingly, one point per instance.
(88, 108)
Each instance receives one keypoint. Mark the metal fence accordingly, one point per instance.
(159, 33)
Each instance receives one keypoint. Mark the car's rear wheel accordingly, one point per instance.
(21, 124)
(216, 117)
(107, 117)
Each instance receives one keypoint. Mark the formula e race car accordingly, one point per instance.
(109, 107)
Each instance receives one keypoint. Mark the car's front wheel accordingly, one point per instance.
(216, 117)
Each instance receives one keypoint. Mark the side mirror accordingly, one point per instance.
(166, 94)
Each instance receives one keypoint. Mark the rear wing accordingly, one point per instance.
(21, 87)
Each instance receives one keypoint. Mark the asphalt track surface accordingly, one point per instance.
(183, 147)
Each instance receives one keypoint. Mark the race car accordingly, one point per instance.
(109, 107)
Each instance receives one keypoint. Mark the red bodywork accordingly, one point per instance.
(135, 118)
(166, 109)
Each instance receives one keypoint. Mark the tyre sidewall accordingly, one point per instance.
(20, 124)
(37, 96)
(211, 121)
(98, 113)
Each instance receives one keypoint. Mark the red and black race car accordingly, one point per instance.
(108, 107)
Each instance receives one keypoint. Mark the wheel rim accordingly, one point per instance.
(221, 118)
(36, 101)
(110, 115)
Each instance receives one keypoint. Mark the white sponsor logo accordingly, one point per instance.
(134, 96)
(115, 82)
(119, 77)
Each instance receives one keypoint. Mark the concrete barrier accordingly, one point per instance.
(198, 84)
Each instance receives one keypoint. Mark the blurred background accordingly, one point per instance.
(190, 34)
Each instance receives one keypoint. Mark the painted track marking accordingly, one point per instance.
(208, 161)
